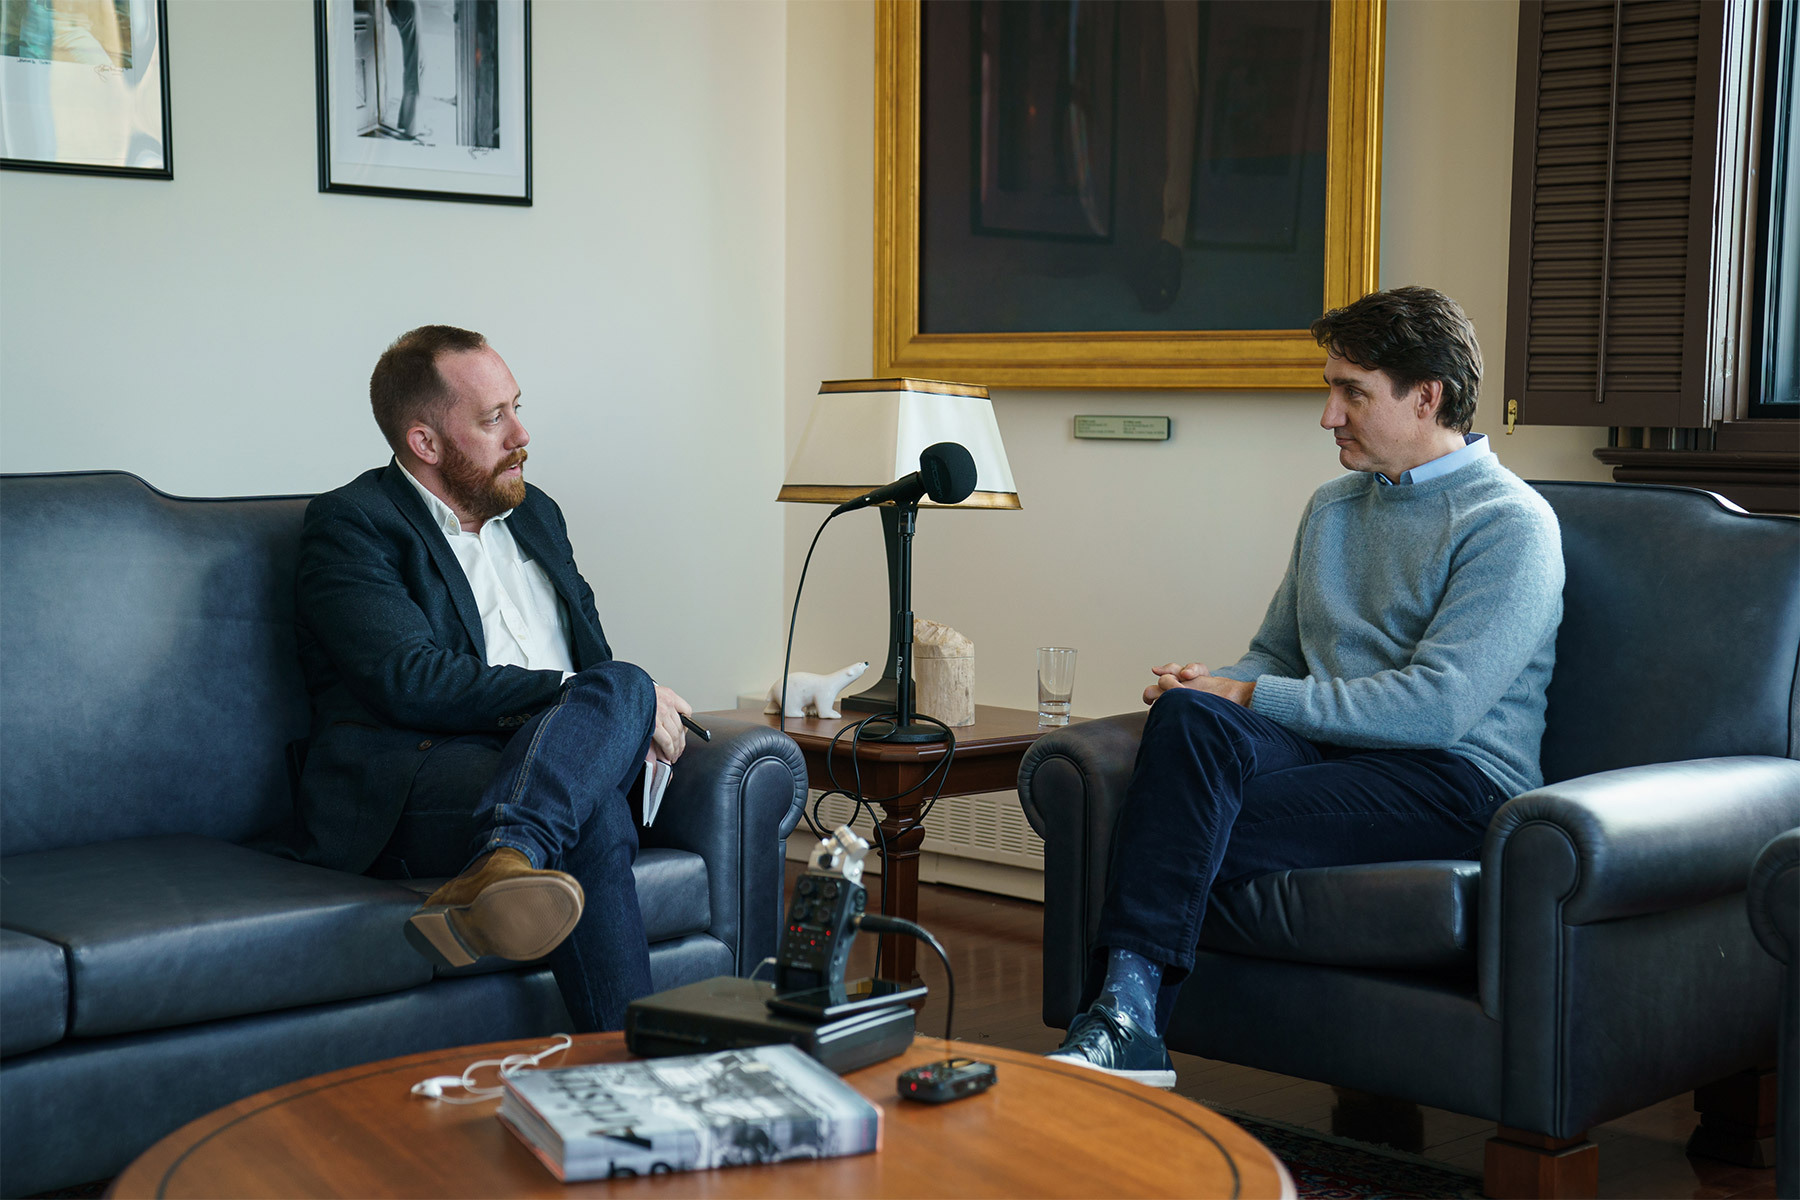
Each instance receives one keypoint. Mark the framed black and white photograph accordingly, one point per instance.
(84, 87)
(425, 98)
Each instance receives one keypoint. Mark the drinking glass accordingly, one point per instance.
(1056, 680)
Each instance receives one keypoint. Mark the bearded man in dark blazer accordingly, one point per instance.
(469, 718)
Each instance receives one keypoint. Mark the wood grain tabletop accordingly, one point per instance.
(1044, 1129)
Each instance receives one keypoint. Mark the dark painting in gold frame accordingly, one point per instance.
(916, 333)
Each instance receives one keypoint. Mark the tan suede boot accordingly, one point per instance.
(501, 906)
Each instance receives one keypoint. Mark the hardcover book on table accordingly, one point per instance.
(756, 1105)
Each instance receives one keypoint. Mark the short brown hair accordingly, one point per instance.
(406, 386)
(1411, 334)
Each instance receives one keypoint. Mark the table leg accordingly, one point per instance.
(903, 833)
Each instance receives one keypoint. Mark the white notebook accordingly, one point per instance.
(656, 782)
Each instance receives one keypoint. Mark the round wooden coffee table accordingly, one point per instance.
(1044, 1129)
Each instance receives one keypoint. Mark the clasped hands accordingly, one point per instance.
(1196, 676)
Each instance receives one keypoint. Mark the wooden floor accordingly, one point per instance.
(994, 944)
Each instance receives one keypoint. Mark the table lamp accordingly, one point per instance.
(866, 433)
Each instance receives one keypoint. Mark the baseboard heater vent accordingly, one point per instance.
(988, 828)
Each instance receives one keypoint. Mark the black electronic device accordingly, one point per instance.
(828, 898)
(728, 1013)
(828, 1004)
(809, 1004)
(815, 941)
(945, 1080)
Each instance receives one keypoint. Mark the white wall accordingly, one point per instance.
(215, 334)
(1134, 553)
(698, 258)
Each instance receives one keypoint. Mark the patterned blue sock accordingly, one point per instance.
(1132, 980)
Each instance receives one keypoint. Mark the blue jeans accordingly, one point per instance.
(1220, 793)
(558, 791)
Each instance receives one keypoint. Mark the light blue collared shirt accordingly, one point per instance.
(1475, 445)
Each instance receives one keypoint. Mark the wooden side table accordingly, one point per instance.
(988, 754)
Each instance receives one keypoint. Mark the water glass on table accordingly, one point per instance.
(1056, 680)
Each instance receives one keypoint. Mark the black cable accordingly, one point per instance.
(940, 771)
(881, 924)
(788, 659)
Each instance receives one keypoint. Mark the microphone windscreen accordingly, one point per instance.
(948, 472)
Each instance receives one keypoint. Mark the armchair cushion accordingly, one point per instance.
(34, 993)
(171, 930)
(1386, 915)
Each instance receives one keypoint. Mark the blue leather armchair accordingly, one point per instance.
(1773, 899)
(1596, 959)
(155, 963)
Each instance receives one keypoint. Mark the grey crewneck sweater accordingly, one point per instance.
(1419, 616)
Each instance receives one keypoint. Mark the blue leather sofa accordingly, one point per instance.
(1596, 958)
(155, 963)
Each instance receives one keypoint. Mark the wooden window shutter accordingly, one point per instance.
(1626, 284)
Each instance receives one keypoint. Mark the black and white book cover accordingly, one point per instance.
(761, 1104)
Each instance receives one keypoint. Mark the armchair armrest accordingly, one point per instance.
(1616, 893)
(1643, 839)
(1072, 788)
(733, 801)
(1773, 896)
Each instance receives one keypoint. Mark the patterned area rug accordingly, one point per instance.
(1333, 1168)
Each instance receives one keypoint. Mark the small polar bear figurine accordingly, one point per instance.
(810, 695)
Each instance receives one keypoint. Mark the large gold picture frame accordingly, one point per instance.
(1237, 359)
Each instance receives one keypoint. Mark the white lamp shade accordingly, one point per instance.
(866, 433)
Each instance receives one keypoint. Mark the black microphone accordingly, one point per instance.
(946, 473)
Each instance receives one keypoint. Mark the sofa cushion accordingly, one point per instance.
(672, 894)
(169, 930)
(1402, 914)
(152, 676)
(34, 993)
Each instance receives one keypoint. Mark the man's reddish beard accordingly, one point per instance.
(479, 493)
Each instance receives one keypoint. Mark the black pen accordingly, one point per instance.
(698, 731)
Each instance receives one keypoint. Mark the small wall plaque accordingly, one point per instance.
(1134, 429)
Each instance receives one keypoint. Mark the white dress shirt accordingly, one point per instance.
(523, 620)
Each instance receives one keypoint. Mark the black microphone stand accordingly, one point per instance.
(906, 728)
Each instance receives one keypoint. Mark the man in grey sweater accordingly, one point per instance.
(1391, 701)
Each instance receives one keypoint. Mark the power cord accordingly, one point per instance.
(878, 924)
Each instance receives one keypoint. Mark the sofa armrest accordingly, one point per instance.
(1773, 895)
(1072, 788)
(733, 801)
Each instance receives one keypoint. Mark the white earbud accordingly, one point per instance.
(433, 1088)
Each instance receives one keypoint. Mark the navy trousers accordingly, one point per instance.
(557, 790)
(1220, 793)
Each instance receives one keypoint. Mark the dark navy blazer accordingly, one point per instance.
(392, 647)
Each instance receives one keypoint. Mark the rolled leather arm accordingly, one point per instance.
(1620, 844)
(1773, 896)
(1649, 839)
(1072, 788)
(733, 801)
(1099, 754)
